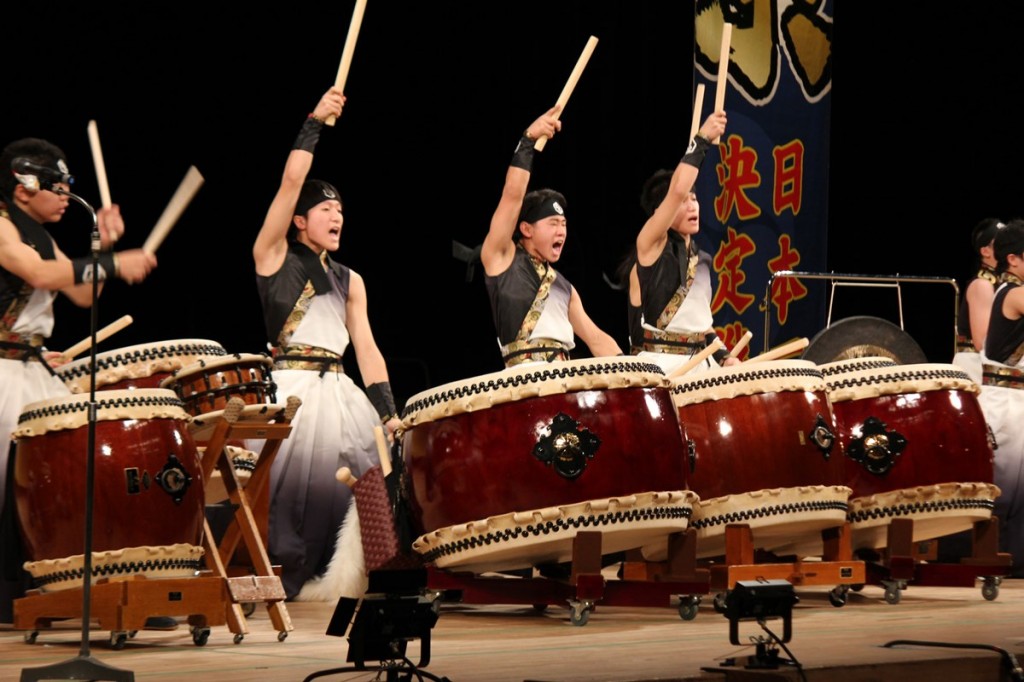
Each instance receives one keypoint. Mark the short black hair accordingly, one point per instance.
(36, 150)
(1009, 240)
(654, 191)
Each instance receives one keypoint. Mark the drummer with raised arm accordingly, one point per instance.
(537, 312)
(673, 274)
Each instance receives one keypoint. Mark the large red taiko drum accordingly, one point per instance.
(141, 366)
(503, 469)
(916, 446)
(763, 434)
(148, 500)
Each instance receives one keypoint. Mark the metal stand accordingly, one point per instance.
(84, 666)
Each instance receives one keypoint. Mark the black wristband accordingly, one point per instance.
(82, 267)
(309, 134)
(694, 155)
(382, 400)
(720, 355)
(523, 156)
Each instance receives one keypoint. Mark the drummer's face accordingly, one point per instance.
(688, 216)
(43, 205)
(546, 237)
(321, 226)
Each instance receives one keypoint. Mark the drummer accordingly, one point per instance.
(673, 277)
(313, 307)
(1002, 392)
(33, 270)
(976, 303)
(537, 313)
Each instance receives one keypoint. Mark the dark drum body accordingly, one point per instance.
(581, 444)
(148, 500)
(141, 366)
(916, 446)
(763, 435)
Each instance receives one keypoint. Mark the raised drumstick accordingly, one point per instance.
(109, 330)
(697, 359)
(698, 104)
(186, 190)
(741, 344)
(577, 71)
(346, 52)
(781, 351)
(97, 160)
(723, 70)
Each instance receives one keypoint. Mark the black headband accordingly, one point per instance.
(314, 192)
(545, 209)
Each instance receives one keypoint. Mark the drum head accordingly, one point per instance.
(863, 336)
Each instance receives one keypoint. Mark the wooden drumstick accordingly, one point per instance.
(723, 70)
(346, 52)
(741, 344)
(781, 351)
(97, 160)
(570, 85)
(698, 104)
(86, 343)
(697, 359)
(382, 450)
(186, 190)
(344, 475)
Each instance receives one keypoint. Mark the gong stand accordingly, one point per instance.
(85, 666)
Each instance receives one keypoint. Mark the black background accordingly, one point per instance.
(925, 142)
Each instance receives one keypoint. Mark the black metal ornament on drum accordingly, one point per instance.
(498, 465)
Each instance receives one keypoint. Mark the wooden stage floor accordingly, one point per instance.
(492, 643)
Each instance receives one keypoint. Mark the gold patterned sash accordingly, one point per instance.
(670, 342)
(1005, 377)
(677, 299)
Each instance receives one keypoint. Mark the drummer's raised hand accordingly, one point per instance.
(545, 126)
(329, 105)
(111, 225)
(714, 126)
(133, 266)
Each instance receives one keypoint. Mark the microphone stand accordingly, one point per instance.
(84, 666)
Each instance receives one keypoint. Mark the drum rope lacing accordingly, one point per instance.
(716, 379)
(857, 366)
(913, 375)
(533, 377)
(558, 525)
(124, 568)
(159, 353)
(108, 403)
(920, 508)
(743, 515)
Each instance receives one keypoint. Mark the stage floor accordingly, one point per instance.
(492, 643)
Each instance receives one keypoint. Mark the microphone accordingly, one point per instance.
(36, 176)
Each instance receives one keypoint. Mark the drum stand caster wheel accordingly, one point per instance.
(990, 587)
(720, 601)
(30, 637)
(200, 636)
(688, 605)
(118, 640)
(283, 635)
(579, 612)
(248, 608)
(237, 639)
(893, 588)
(837, 596)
